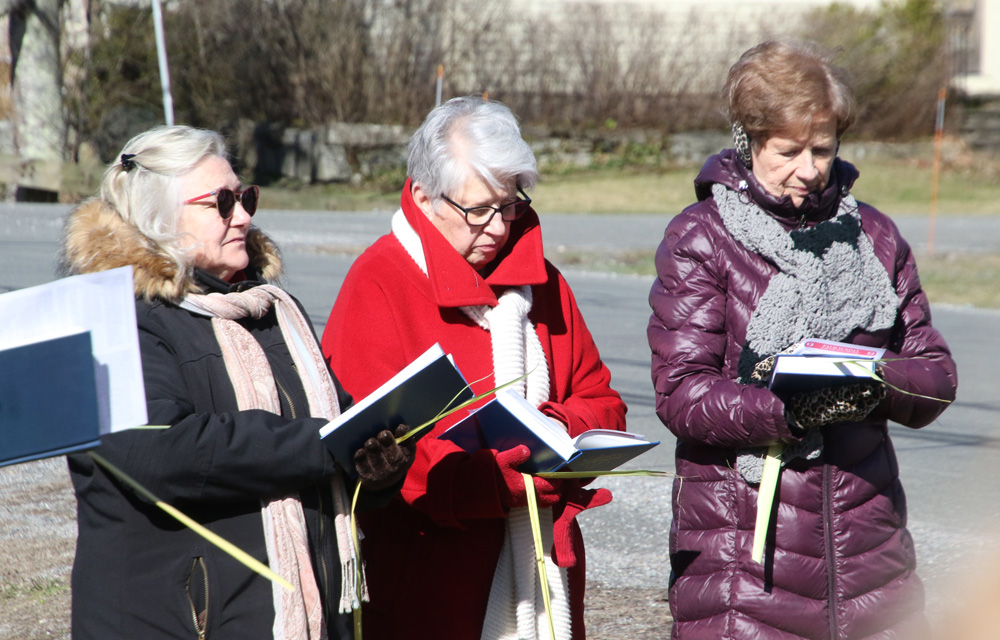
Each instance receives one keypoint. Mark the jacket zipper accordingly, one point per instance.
(200, 621)
(831, 565)
(288, 398)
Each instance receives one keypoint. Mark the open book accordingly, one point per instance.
(509, 420)
(70, 368)
(417, 394)
(819, 364)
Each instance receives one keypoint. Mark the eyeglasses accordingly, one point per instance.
(482, 216)
(225, 200)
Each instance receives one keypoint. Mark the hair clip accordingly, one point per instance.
(741, 141)
(127, 162)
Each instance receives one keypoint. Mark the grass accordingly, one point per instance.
(961, 279)
(40, 589)
(954, 279)
(895, 186)
(967, 185)
(903, 187)
(616, 191)
(329, 197)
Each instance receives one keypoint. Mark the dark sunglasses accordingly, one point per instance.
(225, 200)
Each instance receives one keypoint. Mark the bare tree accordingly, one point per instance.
(311, 62)
(37, 80)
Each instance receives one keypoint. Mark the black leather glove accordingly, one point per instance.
(849, 403)
(382, 462)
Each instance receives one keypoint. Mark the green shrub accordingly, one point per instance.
(895, 55)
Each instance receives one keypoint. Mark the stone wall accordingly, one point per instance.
(355, 153)
(338, 152)
(359, 153)
(981, 126)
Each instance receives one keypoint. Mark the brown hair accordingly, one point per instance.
(779, 87)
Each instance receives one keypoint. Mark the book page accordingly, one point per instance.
(554, 435)
(606, 438)
(823, 366)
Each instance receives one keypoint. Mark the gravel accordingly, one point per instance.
(38, 538)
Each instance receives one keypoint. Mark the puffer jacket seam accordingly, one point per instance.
(831, 565)
(734, 566)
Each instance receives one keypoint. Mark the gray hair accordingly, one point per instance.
(147, 194)
(469, 134)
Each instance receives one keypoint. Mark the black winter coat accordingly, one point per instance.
(139, 573)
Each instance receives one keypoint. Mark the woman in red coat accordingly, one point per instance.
(464, 267)
(776, 251)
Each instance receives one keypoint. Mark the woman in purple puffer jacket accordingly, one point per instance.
(776, 251)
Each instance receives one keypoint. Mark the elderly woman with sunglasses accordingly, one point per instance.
(463, 266)
(237, 385)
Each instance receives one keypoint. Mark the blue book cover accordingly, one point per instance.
(48, 399)
(422, 390)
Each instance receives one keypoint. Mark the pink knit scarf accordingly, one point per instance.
(298, 614)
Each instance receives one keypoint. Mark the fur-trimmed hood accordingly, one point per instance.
(96, 238)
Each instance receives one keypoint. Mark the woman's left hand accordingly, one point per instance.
(849, 403)
(382, 462)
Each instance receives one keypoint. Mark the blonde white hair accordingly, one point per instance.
(141, 184)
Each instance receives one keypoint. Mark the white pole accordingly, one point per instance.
(437, 96)
(161, 54)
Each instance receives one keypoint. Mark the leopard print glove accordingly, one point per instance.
(762, 371)
(849, 403)
(761, 375)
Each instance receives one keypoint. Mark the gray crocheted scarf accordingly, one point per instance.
(829, 283)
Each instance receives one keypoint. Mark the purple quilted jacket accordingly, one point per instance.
(840, 563)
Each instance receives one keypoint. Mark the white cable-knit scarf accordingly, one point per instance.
(298, 615)
(516, 609)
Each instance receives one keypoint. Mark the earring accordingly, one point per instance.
(741, 141)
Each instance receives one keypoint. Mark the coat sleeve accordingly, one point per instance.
(919, 362)
(688, 336)
(581, 393)
(211, 457)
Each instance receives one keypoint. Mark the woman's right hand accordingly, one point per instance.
(382, 462)
(512, 490)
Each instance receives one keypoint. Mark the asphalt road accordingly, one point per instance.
(950, 469)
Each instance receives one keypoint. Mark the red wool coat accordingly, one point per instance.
(431, 554)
